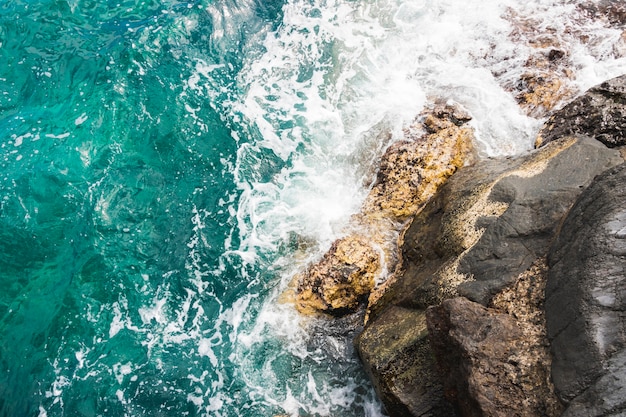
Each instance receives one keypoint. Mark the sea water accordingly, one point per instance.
(167, 167)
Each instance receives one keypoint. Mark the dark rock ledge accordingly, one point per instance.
(508, 297)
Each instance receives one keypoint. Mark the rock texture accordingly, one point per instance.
(612, 11)
(389, 348)
(599, 113)
(496, 361)
(410, 174)
(545, 80)
(342, 278)
(491, 222)
(459, 326)
(547, 77)
(482, 353)
(485, 230)
(586, 301)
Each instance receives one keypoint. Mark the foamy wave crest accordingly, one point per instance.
(338, 81)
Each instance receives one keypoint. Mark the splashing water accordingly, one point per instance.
(167, 167)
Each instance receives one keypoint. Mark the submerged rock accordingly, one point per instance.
(546, 77)
(599, 113)
(411, 172)
(586, 300)
(613, 11)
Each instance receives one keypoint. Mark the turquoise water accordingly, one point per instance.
(121, 285)
(167, 167)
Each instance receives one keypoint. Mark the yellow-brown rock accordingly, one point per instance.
(344, 275)
(546, 80)
(540, 91)
(410, 173)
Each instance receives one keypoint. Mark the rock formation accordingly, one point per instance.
(495, 361)
(586, 301)
(390, 348)
(459, 327)
(342, 278)
(411, 172)
(599, 113)
(484, 231)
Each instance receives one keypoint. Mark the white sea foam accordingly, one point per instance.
(335, 84)
(333, 74)
(121, 371)
(337, 78)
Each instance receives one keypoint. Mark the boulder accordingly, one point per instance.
(540, 91)
(599, 113)
(342, 278)
(586, 300)
(486, 358)
(410, 173)
(490, 222)
(485, 230)
(496, 361)
(396, 353)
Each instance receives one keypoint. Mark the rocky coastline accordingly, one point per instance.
(491, 287)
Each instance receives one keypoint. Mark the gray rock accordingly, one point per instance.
(490, 222)
(586, 300)
(536, 204)
(599, 113)
(606, 396)
(484, 228)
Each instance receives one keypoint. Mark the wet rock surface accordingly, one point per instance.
(586, 300)
(599, 113)
(459, 327)
(490, 222)
(411, 172)
(342, 278)
(397, 356)
(613, 11)
(546, 78)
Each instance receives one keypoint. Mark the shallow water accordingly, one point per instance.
(166, 167)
